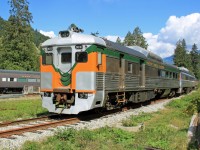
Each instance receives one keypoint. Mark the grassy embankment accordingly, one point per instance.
(166, 129)
(21, 109)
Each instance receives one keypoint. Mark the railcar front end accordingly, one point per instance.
(69, 67)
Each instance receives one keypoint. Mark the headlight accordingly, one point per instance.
(83, 95)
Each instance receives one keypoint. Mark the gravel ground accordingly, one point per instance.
(110, 120)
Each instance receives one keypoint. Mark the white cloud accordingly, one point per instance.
(164, 43)
(187, 27)
(50, 34)
(163, 49)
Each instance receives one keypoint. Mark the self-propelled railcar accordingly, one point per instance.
(81, 72)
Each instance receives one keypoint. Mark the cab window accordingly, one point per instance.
(81, 56)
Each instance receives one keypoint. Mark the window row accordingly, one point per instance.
(20, 80)
(155, 72)
(185, 77)
(66, 57)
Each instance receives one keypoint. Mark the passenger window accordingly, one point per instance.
(167, 74)
(159, 73)
(130, 67)
(170, 75)
(66, 57)
(81, 56)
(163, 74)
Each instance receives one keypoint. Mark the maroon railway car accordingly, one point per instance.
(13, 81)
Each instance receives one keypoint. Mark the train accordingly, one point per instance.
(15, 81)
(81, 72)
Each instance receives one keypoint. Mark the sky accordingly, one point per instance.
(163, 22)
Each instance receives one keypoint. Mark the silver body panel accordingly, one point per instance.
(46, 80)
(85, 81)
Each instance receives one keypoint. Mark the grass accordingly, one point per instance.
(21, 109)
(135, 120)
(104, 138)
(166, 129)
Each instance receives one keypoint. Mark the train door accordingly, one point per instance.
(122, 72)
(142, 73)
(64, 59)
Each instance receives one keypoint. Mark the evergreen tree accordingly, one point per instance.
(39, 38)
(118, 40)
(138, 38)
(2, 26)
(195, 57)
(128, 41)
(181, 55)
(20, 52)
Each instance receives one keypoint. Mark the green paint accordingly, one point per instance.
(171, 69)
(112, 53)
(42, 52)
(132, 59)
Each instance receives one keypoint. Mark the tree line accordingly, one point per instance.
(188, 59)
(19, 43)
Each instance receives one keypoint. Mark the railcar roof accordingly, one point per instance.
(73, 39)
(124, 49)
(186, 71)
(170, 65)
(19, 72)
(147, 53)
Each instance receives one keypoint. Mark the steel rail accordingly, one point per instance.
(18, 131)
(4, 124)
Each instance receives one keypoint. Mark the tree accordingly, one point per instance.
(135, 38)
(39, 38)
(119, 41)
(20, 11)
(128, 41)
(2, 26)
(138, 38)
(195, 58)
(181, 55)
(20, 51)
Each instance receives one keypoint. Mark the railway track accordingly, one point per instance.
(24, 121)
(18, 131)
(58, 120)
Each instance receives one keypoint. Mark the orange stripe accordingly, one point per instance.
(46, 90)
(86, 91)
